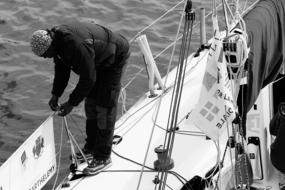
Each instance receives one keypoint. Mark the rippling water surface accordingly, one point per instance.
(25, 80)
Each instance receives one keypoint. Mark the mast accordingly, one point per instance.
(178, 87)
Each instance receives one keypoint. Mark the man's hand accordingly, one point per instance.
(53, 103)
(65, 109)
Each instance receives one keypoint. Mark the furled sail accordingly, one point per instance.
(266, 38)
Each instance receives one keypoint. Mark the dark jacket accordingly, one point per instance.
(84, 48)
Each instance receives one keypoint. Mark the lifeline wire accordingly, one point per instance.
(174, 43)
(148, 147)
(178, 87)
(154, 22)
(59, 157)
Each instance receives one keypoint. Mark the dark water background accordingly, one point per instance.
(25, 80)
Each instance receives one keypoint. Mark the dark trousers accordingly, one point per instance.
(100, 110)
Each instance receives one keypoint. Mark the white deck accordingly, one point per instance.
(192, 155)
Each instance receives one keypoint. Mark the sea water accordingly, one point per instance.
(26, 80)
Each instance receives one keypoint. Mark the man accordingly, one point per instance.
(98, 56)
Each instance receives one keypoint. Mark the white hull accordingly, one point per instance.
(192, 154)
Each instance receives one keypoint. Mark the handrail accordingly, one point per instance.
(171, 44)
(155, 21)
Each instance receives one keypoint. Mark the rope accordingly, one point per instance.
(178, 176)
(244, 7)
(173, 44)
(76, 125)
(72, 140)
(226, 16)
(168, 70)
(249, 8)
(154, 22)
(165, 49)
(178, 87)
(123, 99)
(59, 158)
(231, 156)
(129, 116)
(155, 98)
(123, 94)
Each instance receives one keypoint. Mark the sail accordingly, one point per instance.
(265, 28)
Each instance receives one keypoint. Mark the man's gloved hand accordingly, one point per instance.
(53, 103)
(65, 109)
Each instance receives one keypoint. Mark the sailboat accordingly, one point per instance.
(186, 132)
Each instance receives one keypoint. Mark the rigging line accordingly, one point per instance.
(175, 105)
(72, 140)
(142, 107)
(219, 157)
(237, 128)
(170, 129)
(278, 79)
(178, 176)
(76, 125)
(226, 17)
(231, 156)
(183, 69)
(155, 21)
(168, 69)
(175, 109)
(133, 78)
(189, 133)
(235, 149)
(123, 94)
(214, 8)
(171, 44)
(179, 122)
(114, 171)
(219, 163)
(249, 8)
(59, 158)
(234, 130)
(165, 90)
(182, 79)
(245, 4)
(237, 7)
(123, 99)
(178, 88)
(134, 125)
(189, 71)
(168, 186)
(215, 167)
(69, 139)
(175, 83)
(229, 9)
